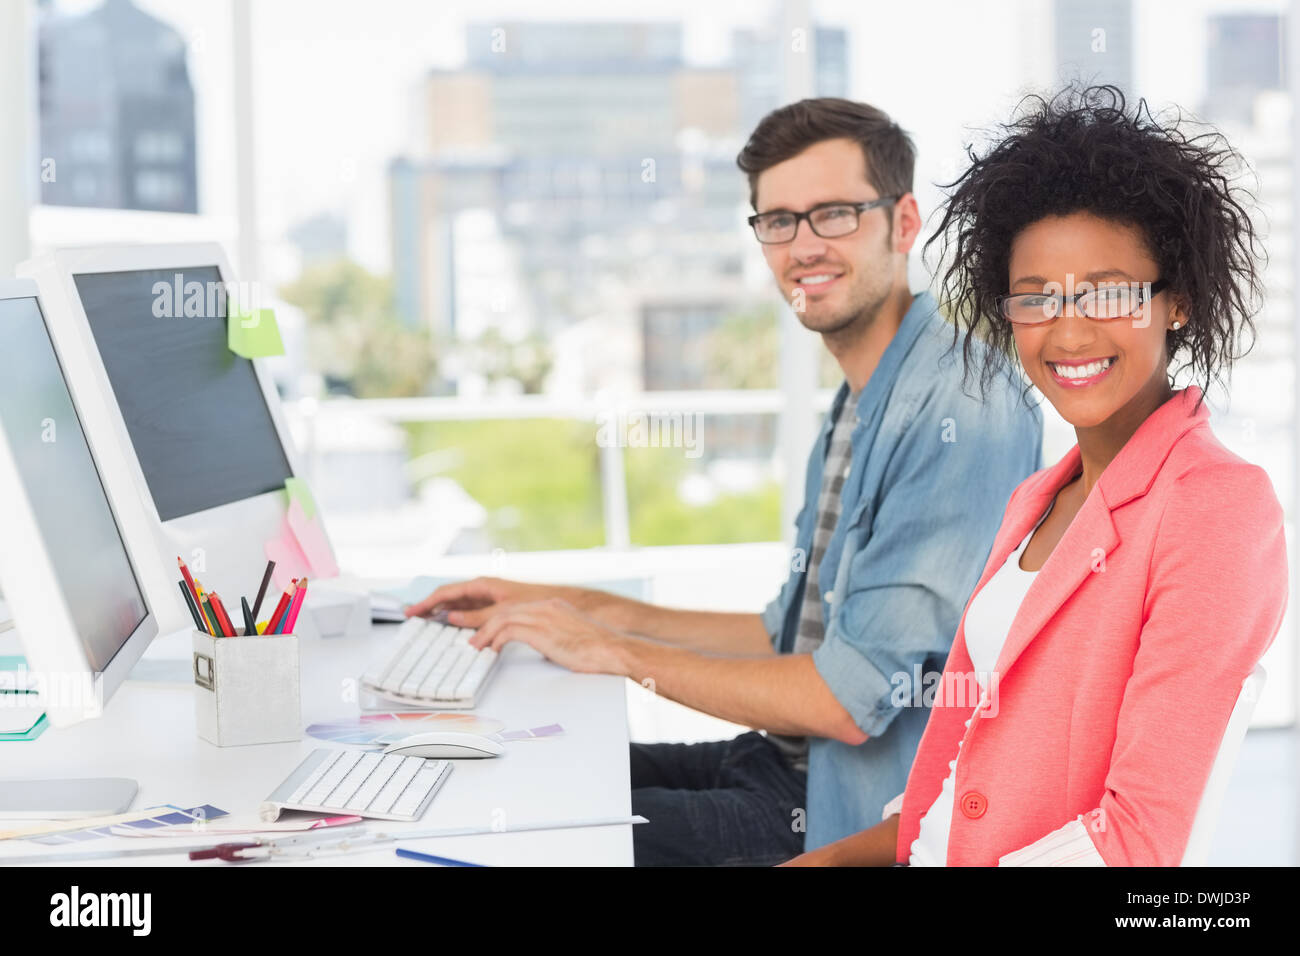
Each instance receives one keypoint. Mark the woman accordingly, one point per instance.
(1134, 585)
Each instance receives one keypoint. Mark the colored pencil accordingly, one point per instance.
(194, 609)
(185, 573)
(210, 615)
(261, 592)
(284, 618)
(250, 628)
(223, 619)
(430, 858)
(295, 606)
(280, 608)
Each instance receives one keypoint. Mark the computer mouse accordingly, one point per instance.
(446, 745)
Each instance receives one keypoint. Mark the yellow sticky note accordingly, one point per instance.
(252, 333)
(299, 492)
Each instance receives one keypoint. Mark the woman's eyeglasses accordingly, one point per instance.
(1102, 303)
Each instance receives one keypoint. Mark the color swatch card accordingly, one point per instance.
(81, 831)
(244, 823)
(383, 729)
(533, 733)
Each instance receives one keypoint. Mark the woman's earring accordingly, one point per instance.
(1176, 324)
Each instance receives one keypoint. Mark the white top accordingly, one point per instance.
(988, 620)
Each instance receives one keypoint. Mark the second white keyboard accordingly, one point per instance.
(434, 666)
(367, 784)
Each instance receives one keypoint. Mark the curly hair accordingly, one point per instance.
(1083, 151)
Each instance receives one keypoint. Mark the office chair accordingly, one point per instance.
(1207, 814)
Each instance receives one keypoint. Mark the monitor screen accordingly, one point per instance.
(194, 409)
(63, 485)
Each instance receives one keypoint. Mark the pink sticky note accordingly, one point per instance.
(290, 562)
(313, 542)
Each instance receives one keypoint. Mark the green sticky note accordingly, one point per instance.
(252, 333)
(299, 492)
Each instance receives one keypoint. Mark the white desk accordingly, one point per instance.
(147, 733)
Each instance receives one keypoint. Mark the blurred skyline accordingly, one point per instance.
(335, 91)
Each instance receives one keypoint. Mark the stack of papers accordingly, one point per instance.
(21, 715)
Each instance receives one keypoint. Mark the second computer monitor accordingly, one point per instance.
(207, 444)
(198, 420)
(68, 574)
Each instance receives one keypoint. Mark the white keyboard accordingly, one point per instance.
(360, 783)
(434, 667)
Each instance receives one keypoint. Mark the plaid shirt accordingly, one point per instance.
(812, 628)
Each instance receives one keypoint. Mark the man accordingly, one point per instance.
(904, 491)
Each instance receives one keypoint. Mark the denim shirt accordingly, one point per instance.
(932, 470)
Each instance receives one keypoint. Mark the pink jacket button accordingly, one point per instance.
(974, 804)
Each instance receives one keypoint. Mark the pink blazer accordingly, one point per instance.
(1122, 665)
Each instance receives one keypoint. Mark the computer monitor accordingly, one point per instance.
(68, 576)
(206, 445)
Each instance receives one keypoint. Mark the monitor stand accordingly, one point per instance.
(65, 799)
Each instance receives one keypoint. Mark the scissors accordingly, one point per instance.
(282, 848)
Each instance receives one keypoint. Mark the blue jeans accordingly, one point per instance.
(723, 803)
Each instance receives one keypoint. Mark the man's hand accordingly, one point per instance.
(472, 603)
(558, 630)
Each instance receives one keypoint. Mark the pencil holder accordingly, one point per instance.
(246, 689)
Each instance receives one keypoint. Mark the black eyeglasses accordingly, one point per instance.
(1102, 303)
(829, 220)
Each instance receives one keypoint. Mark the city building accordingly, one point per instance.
(608, 163)
(116, 111)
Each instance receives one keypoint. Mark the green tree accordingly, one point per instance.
(744, 352)
(539, 480)
(354, 336)
(527, 361)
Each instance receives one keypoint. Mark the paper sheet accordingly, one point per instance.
(290, 562)
(312, 541)
(252, 333)
(299, 492)
(18, 714)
